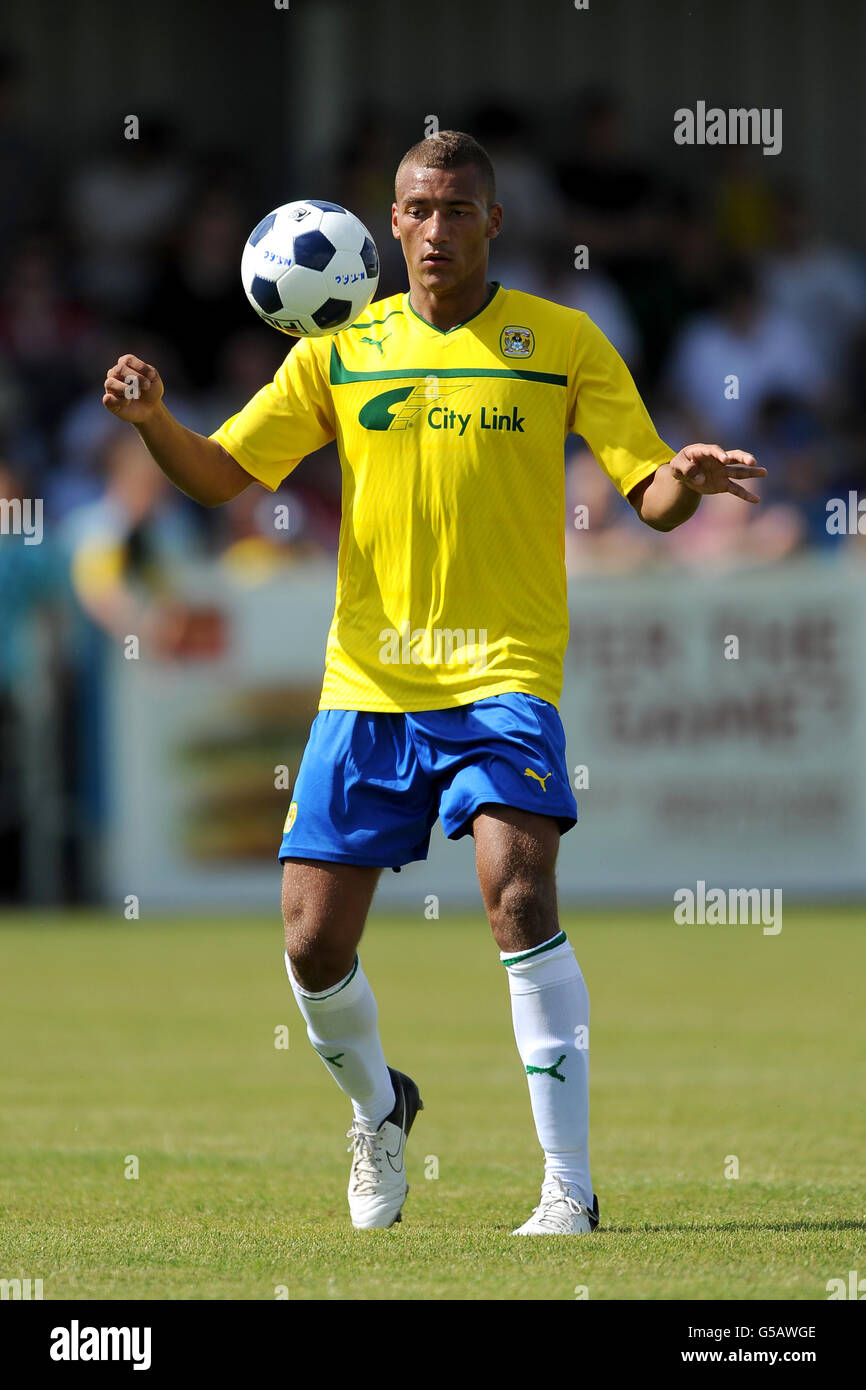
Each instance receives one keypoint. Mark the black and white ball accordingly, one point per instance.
(310, 268)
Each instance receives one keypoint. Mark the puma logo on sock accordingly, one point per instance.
(551, 1070)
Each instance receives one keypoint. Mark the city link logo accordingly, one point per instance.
(399, 408)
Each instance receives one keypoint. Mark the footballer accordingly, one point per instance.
(450, 404)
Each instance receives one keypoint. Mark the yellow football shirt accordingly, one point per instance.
(451, 572)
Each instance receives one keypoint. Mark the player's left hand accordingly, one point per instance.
(708, 468)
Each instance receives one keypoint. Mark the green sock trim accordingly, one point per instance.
(538, 950)
(336, 990)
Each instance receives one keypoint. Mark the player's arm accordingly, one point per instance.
(200, 467)
(605, 407)
(672, 493)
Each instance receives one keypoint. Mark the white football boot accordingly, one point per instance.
(560, 1214)
(377, 1182)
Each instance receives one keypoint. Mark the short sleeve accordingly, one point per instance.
(283, 422)
(605, 409)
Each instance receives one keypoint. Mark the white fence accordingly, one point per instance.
(692, 761)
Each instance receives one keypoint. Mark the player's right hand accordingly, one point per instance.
(132, 389)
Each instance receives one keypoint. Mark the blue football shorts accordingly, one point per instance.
(371, 786)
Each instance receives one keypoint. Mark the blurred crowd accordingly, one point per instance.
(742, 322)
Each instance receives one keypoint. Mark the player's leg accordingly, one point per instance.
(360, 802)
(516, 854)
(325, 906)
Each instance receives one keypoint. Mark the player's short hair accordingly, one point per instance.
(451, 149)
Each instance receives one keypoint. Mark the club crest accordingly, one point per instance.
(517, 342)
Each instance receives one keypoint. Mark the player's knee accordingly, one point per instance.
(299, 930)
(521, 907)
(316, 966)
(313, 960)
(293, 906)
(298, 900)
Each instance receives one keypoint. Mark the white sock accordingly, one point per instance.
(550, 1011)
(342, 1025)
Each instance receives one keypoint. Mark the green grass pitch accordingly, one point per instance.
(155, 1039)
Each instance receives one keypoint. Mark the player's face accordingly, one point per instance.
(443, 222)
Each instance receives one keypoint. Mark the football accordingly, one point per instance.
(310, 268)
